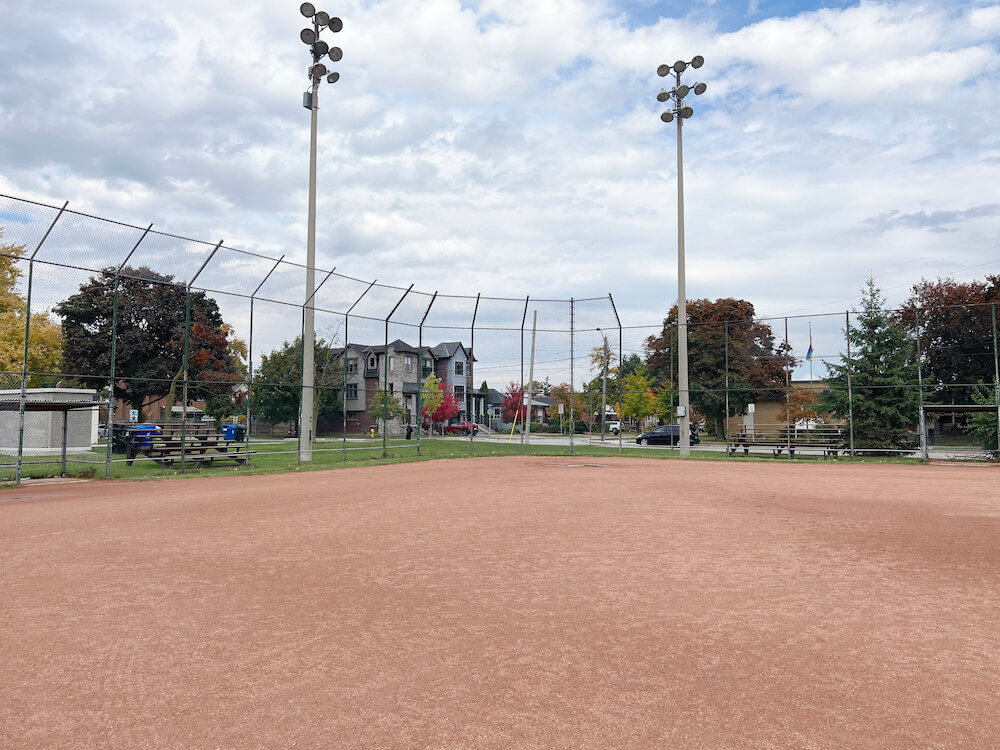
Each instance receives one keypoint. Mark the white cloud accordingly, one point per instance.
(515, 148)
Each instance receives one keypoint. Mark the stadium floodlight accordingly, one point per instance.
(680, 112)
(310, 99)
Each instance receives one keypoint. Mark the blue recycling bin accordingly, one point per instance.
(147, 432)
(229, 431)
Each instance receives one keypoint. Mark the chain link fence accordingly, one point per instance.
(108, 327)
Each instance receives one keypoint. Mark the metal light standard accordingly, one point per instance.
(680, 112)
(310, 100)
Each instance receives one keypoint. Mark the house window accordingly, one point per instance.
(352, 391)
(460, 368)
(408, 363)
(459, 392)
(427, 363)
(352, 365)
(373, 362)
(391, 366)
(392, 386)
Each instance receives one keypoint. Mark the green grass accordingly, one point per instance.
(282, 457)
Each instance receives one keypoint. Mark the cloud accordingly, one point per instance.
(934, 221)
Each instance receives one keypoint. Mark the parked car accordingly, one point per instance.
(613, 427)
(462, 428)
(668, 434)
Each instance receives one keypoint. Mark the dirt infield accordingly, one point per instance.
(510, 602)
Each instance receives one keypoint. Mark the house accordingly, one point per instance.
(369, 369)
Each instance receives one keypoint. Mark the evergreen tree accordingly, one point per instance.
(885, 398)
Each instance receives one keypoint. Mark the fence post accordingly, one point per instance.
(520, 405)
(572, 417)
(725, 422)
(850, 392)
(788, 396)
(621, 376)
(250, 361)
(420, 372)
(470, 382)
(27, 335)
(996, 373)
(109, 422)
(347, 343)
(922, 424)
(385, 385)
(187, 347)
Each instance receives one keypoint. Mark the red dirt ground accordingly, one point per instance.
(507, 602)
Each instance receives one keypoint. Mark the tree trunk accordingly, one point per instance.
(171, 395)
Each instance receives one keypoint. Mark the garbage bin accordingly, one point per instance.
(146, 432)
(229, 432)
(240, 433)
(409, 431)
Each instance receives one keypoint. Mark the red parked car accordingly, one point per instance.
(462, 428)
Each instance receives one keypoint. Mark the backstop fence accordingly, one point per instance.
(106, 326)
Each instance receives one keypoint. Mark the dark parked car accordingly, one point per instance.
(668, 434)
(462, 428)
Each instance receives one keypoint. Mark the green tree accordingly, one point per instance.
(149, 351)
(983, 425)
(277, 383)
(756, 363)
(884, 401)
(45, 338)
(385, 407)
(431, 396)
(639, 401)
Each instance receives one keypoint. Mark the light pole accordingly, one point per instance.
(310, 100)
(680, 112)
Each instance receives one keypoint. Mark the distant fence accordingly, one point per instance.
(130, 316)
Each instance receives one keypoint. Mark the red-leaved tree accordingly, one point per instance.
(448, 407)
(513, 401)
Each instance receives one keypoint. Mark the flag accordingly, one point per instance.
(809, 354)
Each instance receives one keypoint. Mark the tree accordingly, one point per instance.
(756, 364)
(149, 350)
(448, 406)
(431, 396)
(386, 407)
(802, 405)
(560, 394)
(983, 425)
(956, 334)
(639, 401)
(277, 383)
(883, 402)
(44, 339)
(513, 405)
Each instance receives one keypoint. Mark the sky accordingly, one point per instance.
(515, 149)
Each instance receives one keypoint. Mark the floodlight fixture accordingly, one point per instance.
(307, 9)
(333, 77)
(697, 61)
(686, 112)
(336, 54)
(700, 88)
(680, 66)
(335, 25)
(667, 117)
(682, 91)
(662, 96)
(663, 70)
(322, 18)
(318, 70)
(308, 36)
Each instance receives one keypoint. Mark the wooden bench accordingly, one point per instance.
(826, 438)
(173, 444)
